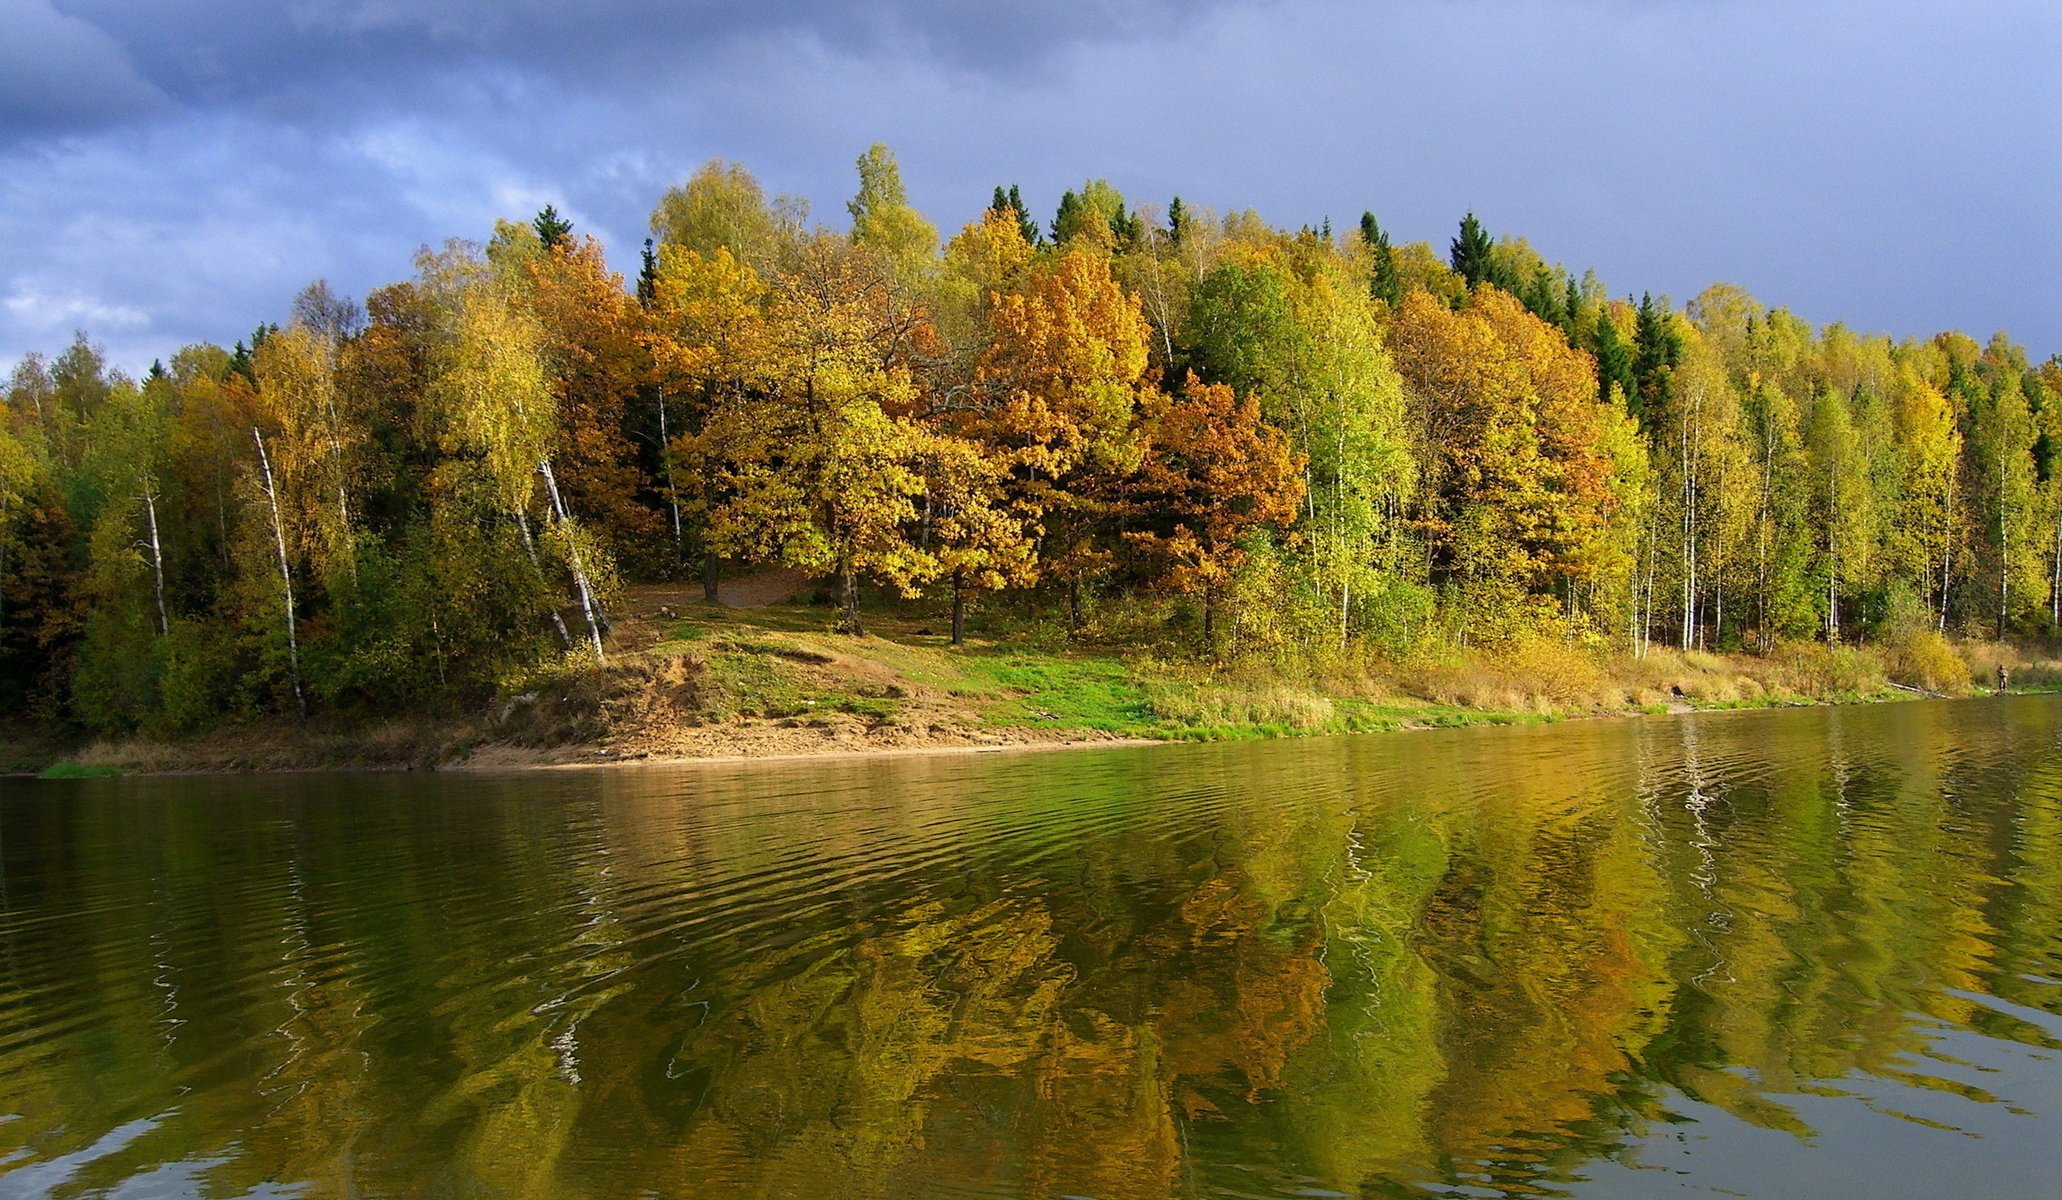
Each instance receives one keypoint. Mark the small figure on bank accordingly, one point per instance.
(2004, 677)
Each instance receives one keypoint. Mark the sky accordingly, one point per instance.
(172, 173)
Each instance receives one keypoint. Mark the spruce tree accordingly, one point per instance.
(1614, 363)
(1067, 219)
(648, 275)
(1473, 254)
(1657, 350)
(1383, 283)
(1026, 224)
(551, 228)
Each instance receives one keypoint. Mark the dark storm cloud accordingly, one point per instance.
(59, 74)
(302, 57)
(174, 172)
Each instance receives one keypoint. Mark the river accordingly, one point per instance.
(1809, 953)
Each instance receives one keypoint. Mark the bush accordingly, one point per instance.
(199, 679)
(1925, 660)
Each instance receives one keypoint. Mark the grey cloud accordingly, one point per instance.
(1890, 164)
(312, 59)
(59, 74)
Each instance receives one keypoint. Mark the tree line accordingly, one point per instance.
(1299, 444)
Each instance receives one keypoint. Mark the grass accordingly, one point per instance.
(71, 770)
(781, 679)
(786, 663)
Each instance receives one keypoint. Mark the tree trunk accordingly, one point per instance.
(1947, 547)
(588, 607)
(1074, 605)
(848, 604)
(712, 574)
(959, 612)
(2004, 576)
(286, 577)
(2055, 581)
(530, 548)
(1832, 603)
(672, 486)
(157, 560)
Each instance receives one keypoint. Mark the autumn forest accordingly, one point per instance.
(1233, 441)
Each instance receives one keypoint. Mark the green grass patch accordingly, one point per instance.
(1063, 692)
(67, 770)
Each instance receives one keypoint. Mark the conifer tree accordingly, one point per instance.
(1473, 255)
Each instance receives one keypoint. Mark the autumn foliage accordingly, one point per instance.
(1233, 439)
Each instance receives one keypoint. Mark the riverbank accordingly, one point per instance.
(688, 682)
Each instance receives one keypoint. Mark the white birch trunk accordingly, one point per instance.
(530, 548)
(286, 577)
(157, 558)
(565, 520)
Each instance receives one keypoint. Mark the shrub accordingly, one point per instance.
(1924, 659)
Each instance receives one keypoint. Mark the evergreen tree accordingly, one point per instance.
(1383, 283)
(1026, 223)
(1657, 350)
(551, 228)
(1614, 362)
(648, 275)
(1473, 254)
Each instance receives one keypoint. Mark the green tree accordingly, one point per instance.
(884, 221)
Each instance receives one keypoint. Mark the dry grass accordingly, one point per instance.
(2029, 668)
(1532, 675)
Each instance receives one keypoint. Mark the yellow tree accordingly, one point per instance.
(1057, 395)
(722, 207)
(491, 393)
(1921, 531)
(813, 461)
(315, 449)
(1516, 493)
(705, 328)
(884, 221)
(980, 537)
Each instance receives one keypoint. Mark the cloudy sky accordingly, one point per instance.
(176, 172)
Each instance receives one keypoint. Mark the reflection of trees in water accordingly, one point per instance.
(1485, 959)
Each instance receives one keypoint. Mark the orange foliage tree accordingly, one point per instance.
(1214, 473)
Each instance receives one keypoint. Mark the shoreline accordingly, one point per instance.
(491, 758)
(773, 684)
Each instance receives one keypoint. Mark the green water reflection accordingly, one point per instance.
(1781, 954)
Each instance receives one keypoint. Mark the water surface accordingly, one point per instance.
(1799, 954)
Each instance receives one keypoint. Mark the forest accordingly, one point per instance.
(1199, 432)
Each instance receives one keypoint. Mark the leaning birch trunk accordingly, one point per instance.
(530, 548)
(286, 577)
(157, 558)
(672, 484)
(565, 520)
